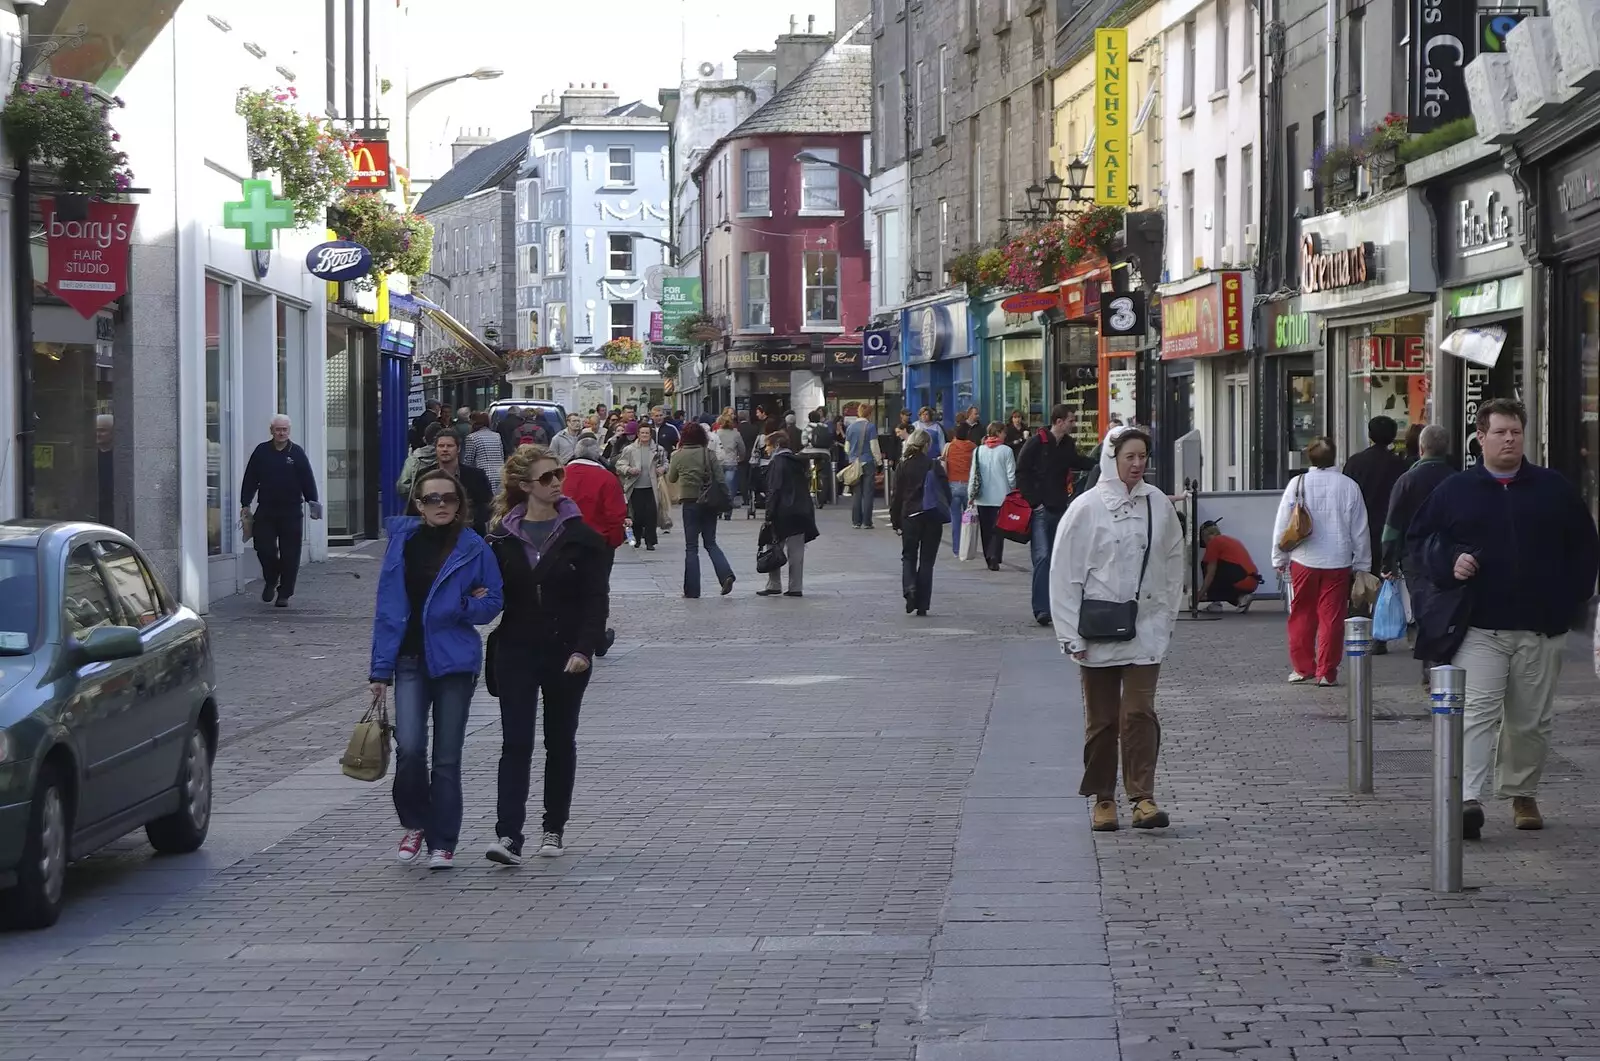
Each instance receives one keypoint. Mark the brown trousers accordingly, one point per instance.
(1119, 705)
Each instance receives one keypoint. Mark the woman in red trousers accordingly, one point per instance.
(1321, 566)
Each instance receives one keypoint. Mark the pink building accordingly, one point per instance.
(785, 268)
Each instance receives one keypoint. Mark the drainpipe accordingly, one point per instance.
(1330, 63)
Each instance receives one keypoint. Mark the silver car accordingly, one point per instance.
(108, 711)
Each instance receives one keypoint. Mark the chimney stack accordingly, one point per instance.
(587, 100)
(468, 142)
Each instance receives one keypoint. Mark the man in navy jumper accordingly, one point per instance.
(280, 472)
(1520, 542)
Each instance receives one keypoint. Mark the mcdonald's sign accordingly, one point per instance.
(369, 162)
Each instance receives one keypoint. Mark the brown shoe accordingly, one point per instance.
(1146, 815)
(1105, 816)
(1525, 812)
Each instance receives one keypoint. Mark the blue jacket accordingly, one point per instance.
(450, 641)
(1533, 538)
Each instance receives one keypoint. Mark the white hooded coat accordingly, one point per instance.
(1099, 548)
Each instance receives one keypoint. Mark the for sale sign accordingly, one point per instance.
(89, 257)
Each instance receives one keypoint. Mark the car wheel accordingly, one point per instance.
(185, 829)
(35, 901)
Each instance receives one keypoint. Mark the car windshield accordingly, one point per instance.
(19, 599)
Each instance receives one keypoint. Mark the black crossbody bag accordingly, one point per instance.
(1104, 620)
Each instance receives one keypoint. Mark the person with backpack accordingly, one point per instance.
(790, 512)
(819, 452)
(702, 489)
(919, 509)
(1047, 471)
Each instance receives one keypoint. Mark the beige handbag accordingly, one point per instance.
(367, 757)
(850, 474)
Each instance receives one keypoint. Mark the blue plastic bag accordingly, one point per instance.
(1389, 614)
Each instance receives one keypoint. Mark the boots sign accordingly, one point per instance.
(89, 258)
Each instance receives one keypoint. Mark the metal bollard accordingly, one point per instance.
(1447, 694)
(1357, 646)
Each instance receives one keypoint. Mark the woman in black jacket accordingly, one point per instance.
(1016, 431)
(791, 515)
(554, 567)
(921, 528)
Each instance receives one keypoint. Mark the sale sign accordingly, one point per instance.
(89, 258)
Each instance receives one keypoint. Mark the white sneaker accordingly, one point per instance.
(442, 860)
(1295, 677)
(1214, 607)
(550, 845)
(1244, 603)
(504, 851)
(410, 846)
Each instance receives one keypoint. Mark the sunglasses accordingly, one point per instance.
(549, 478)
(440, 499)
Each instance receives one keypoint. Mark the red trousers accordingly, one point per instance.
(1316, 619)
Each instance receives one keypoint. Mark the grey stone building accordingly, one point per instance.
(962, 97)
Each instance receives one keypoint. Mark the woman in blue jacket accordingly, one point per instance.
(439, 582)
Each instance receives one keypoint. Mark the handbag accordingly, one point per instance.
(714, 494)
(1298, 529)
(663, 502)
(969, 536)
(1015, 518)
(1104, 620)
(367, 756)
(851, 473)
(769, 551)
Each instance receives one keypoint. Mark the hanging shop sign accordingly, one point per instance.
(1123, 316)
(1081, 299)
(936, 332)
(1375, 257)
(1443, 42)
(259, 214)
(878, 348)
(1205, 320)
(680, 298)
(1494, 25)
(657, 331)
(1111, 117)
(338, 261)
(369, 166)
(1029, 302)
(843, 361)
(89, 257)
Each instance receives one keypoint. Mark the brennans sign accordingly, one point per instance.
(1329, 270)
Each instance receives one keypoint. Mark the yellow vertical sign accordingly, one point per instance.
(1111, 117)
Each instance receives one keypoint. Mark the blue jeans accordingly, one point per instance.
(700, 524)
(958, 505)
(424, 799)
(861, 502)
(1041, 542)
(730, 475)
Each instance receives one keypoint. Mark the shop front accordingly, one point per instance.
(880, 363)
(1206, 319)
(775, 376)
(1293, 390)
(845, 386)
(942, 371)
(1369, 273)
(1570, 213)
(1096, 376)
(1483, 302)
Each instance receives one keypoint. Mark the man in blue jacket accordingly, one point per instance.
(1515, 545)
(280, 472)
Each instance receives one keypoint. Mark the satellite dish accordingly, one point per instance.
(707, 69)
(652, 282)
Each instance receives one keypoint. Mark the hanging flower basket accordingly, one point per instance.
(698, 328)
(310, 156)
(623, 352)
(63, 126)
(399, 242)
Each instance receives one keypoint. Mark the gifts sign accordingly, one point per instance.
(89, 258)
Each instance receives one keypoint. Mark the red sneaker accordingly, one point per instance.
(410, 846)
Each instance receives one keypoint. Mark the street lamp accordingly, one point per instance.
(1059, 196)
(810, 159)
(416, 96)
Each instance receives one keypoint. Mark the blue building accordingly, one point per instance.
(593, 242)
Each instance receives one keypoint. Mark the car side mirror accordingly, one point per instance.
(109, 643)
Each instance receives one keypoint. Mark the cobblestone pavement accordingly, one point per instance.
(824, 829)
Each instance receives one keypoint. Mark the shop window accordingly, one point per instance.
(219, 417)
(1019, 376)
(1389, 367)
(72, 449)
(821, 279)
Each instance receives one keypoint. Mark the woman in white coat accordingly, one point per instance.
(993, 476)
(1116, 581)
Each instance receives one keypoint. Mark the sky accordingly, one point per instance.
(543, 45)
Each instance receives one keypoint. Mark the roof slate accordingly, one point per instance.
(832, 95)
(484, 168)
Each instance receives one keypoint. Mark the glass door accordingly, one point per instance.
(1236, 425)
(1583, 323)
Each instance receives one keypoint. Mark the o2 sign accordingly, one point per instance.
(338, 261)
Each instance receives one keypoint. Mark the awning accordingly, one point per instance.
(1481, 346)
(461, 333)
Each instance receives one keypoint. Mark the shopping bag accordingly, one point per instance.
(1389, 614)
(663, 503)
(1364, 586)
(969, 535)
(769, 551)
(367, 756)
(1405, 598)
(1015, 518)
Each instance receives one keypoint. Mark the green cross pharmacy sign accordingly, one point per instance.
(258, 215)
